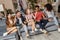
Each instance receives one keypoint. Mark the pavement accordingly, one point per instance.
(53, 33)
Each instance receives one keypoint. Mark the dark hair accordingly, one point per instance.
(36, 6)
(8, 23)
(49, 7)
(17, 11)
(7, 18)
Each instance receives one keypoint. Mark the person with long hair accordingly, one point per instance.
(30, 19)
(10, 23)
(50, 14)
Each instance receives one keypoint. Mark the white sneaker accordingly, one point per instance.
(41, 30)
(27, 35)
(32, 32)
(58, 29)
(36, 29)
(45, 31)
(5, 34)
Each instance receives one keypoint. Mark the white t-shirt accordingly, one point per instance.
(20, 21)
(50, 14)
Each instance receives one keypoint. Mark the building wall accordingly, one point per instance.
(24, 4)
(45, 1)
(59, 2)
(8, 4)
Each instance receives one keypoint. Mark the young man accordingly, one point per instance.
(40, 19)
(20, 22)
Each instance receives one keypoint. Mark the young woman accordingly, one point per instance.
(30, 19)
(50, 14)
(10, 23)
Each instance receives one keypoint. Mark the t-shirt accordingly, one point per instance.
(29, 17)
(39, 15)
(50, 14)
(20, 20)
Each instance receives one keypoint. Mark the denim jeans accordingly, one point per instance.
(25, 28)
(42, 23)
(18, 33)
(19, 28)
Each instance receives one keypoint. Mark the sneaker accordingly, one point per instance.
(36, 29)
(41, 30)
(45, 32)
(27, 35)
(58, 29)
(32, 32)
(5, 34)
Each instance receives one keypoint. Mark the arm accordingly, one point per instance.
(14, 20)
(26, 19)
(49, 19)
(43, 15)
(33, 16)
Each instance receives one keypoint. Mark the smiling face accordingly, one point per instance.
(18, 14)
(28, 11)
(37, 9)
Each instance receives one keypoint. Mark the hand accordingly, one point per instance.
(25, 22)
(50, 19)
(38, 20)
(45, 18)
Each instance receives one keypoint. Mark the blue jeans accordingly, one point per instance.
(42, 23)
(20, 26)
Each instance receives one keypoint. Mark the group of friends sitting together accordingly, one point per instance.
(17, 21)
